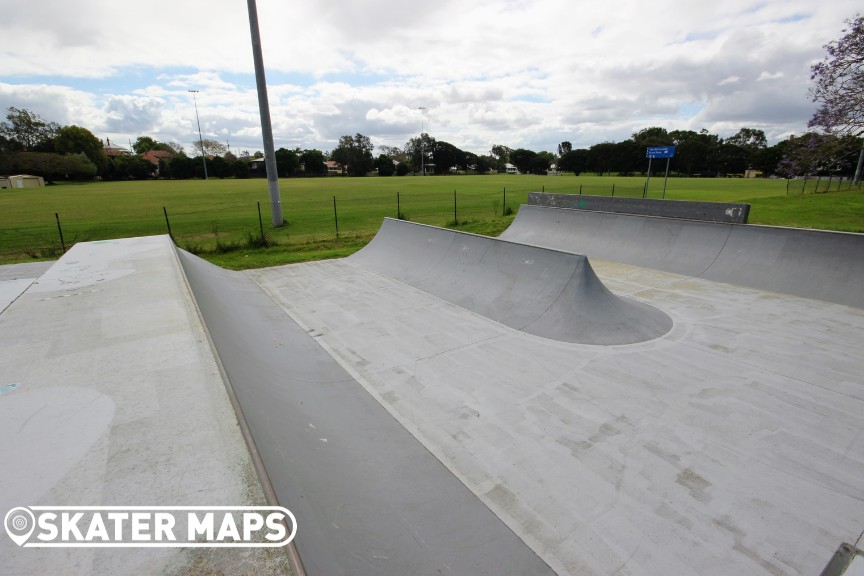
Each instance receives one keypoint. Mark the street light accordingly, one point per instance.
(200, 139)
(422, 151)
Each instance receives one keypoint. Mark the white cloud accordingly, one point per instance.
(520, 73)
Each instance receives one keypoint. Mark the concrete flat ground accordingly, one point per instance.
(110, 396)
(734, 444)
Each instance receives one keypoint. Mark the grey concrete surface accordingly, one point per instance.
(545, 292)
(111, 396)
(731, 213)
(808, 263)
(733, 444)
(368, 497)
(16, 278)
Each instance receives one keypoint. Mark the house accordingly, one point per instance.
(21, 181)
(510, 169)
(334, 168)
(114, 150)
(154, 156)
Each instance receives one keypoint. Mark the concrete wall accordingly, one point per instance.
(710, 211)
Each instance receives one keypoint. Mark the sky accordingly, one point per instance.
(475, 73)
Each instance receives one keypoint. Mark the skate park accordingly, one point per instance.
(591, 393)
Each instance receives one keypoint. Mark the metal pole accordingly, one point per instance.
(613, 189)
(264, 109)
(336, 217)
(398, 207)
(647, 178)
(504, 206)
(200, 139)
(59, 229)
(666, 178)
(260, 222)
(455, 219)
(422, 154)
(857, 180)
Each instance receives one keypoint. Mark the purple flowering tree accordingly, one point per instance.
(839, 86)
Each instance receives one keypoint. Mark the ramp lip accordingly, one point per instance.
(260, 469)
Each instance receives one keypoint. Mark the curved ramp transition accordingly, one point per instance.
(368, 497)
(543, 292)
(808, 263)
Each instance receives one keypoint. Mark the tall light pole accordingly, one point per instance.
(422, 144)
(264, 109)
(200, 138)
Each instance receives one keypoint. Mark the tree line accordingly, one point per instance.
(29, 144)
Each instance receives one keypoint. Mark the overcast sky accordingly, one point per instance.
(522, 73)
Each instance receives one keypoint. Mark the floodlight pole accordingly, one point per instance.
(422, 151)
(200, 139)
(264, 109)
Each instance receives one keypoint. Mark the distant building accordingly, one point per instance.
(154, 156)
(510, 169)
(114, 150)
(334, 168)
(21, 181)
(752, 173)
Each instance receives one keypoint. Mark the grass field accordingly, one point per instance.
(219, 218)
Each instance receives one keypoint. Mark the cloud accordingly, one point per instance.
(520, 72)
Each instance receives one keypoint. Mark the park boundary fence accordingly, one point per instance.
(309, 218)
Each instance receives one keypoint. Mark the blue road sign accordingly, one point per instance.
(660, 152)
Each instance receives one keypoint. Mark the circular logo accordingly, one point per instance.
(19, 524)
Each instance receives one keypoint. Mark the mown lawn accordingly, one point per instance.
(219, 218)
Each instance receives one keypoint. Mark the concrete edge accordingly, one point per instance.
(263, 477)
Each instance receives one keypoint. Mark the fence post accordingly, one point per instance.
(504, 204)
(613, 189)
(167, 223)
(336, 217)
(787, 186)
(455, 218)
(60, 230)
(260, 223)
(580, 189)
(398, 207)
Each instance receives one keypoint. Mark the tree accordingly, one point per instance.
(74, 140)
(26, 130)
(521, 158)
(287, 162)
(447, 156)
(420, 150)
(53, 166)
(573, 161)
(601, 158)
(749, 138)
(394, 152)
(313, 162)
(839, 88)
(385, 165)
(564, 148)
(501, 154)
(211, 147)
(354, 152)
(654, 136)
(146, 143)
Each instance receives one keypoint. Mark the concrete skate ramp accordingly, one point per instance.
(809, 263)
(544, 292)
(368, 497)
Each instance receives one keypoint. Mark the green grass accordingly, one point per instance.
(219, 218)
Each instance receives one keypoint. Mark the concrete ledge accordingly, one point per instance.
(708, 211)
(113, 398)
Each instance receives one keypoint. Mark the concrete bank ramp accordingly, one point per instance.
(809, 263)
(368, 497)
(544, 292)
